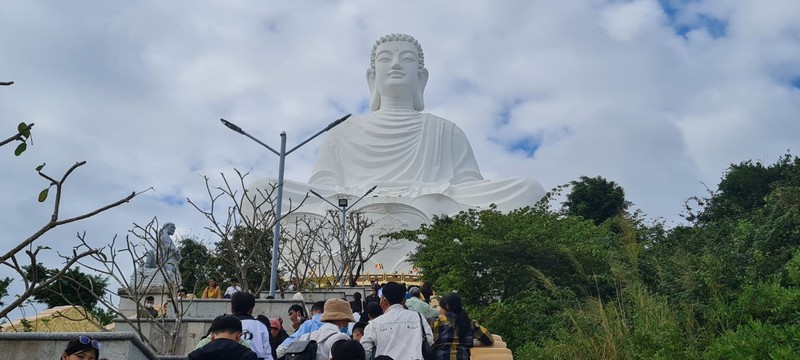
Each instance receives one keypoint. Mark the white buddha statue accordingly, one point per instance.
(403, 151)
(422, 165)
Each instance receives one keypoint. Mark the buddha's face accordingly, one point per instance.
(396, 67)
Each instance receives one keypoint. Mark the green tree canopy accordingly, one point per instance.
(247, 256)
(4, 283)
(490, 255)
(595, 199)
(195, 264)
(75, 288)
(744, 188)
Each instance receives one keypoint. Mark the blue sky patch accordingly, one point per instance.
(669, 8)
(527, 146)
(796, 82)
(504, 116)
(715, 27)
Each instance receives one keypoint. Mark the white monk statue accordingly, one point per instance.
(422, 164)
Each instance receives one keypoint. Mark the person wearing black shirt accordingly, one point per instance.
(225, 344)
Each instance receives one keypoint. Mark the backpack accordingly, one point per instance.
(301, 350)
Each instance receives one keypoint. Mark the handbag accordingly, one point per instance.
(427, 350)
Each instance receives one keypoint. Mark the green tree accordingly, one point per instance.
(74, 288)
(489, 255)
(4, 283)
(246, 256)
(595, 199)
(195, 265)
(744, 187)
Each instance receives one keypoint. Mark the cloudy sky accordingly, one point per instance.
(659, 96)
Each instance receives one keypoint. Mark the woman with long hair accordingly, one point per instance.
(454, 332)
(427, 292)
(212, 291)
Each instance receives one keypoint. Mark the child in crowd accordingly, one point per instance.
(358, 330)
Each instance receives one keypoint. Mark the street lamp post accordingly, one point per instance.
(343, 209)
(273, 280)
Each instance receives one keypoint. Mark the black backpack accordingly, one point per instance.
(302, 350)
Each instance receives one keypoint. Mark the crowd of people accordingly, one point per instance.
(393, 322)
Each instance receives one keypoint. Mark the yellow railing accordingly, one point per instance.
(409, 279)
(367, 279)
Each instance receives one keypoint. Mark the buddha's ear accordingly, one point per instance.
(419, 99)
(423, 78)
(374, 97)
(371, 79)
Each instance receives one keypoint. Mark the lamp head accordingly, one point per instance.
(232, 126)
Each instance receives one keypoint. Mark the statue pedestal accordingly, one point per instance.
(147, 278)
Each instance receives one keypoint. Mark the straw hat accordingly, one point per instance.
(337, 309)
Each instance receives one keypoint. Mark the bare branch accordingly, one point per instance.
(19, 135)
(54, 222)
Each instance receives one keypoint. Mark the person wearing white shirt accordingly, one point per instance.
(398, 333)
(234, 288)
(253, 331)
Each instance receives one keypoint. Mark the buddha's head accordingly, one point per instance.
(169, 228)
(397, 68)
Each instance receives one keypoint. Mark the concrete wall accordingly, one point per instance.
(310, 297)
(189, 333)
(211, 308)
(197, 317)
(115, 345)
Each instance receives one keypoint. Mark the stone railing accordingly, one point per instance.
(195, 321)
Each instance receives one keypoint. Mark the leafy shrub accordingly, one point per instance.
(757, 340)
